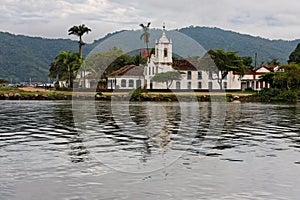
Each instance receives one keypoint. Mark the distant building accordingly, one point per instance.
(128, 77)
(194, 76)
(85, 79)
(251, 79)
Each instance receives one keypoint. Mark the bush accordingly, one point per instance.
(136, 94)
(266, 94)
(289, 96)
(56, 85)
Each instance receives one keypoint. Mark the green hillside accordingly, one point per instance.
(245, 45)
(23, 57)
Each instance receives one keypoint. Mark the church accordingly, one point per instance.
(193, 75)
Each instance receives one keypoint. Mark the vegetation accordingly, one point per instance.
(65, 67)
(79, 31)
(226, 62)
(295, 55)
(167, 77)
(213, 38)
(285, 83)
(3, 81)
(105, 63)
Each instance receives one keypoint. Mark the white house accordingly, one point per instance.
(194, 74)
(251, 79)
(128, 77)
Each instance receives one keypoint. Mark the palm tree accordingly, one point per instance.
(65, 66)
(79, 31)
(146, 35)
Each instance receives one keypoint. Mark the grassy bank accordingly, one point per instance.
(12, 93)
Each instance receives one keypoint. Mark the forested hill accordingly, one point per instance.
(23, 57)
(245, 45)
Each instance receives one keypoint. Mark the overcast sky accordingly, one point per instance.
(274, 19)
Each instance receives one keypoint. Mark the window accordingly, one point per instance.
(178, 85)
(145, 71)
(149, 70)
(210, 85)
(225, 85)
(156, 69)
(189, 75)
(199, 85)
(199, 75)
(123, 83)
(130, 83)
(210, 75)
(109, 84)
(138, 83)
(165, 52)
(189, 85)
(152, 70)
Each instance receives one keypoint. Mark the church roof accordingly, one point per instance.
(187, 65)
(129, 70)
(164, 38)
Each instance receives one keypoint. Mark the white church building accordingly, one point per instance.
(194, 76)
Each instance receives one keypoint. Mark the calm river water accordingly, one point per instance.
(103, 150)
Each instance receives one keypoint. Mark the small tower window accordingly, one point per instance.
(165, 52)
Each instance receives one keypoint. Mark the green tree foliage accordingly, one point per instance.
(226, 62)
(104, 63)
(79, 31)
(274, 62)
(167, 77)
(65, 67)
(247, 61)
(3, 81)
(295, 55)
(288, 78)
(146, 34)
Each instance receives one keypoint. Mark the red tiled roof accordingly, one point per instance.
(129, 70)
(188, 65)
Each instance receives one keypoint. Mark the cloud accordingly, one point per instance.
(267, 18)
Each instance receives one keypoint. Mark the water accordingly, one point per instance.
(49, 150)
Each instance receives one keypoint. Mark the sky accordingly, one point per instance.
(273, 19)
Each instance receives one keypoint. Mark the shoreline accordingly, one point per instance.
(29, 93)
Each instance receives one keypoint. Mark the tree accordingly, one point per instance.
(79, 31)
(3, 81)
(274, 62)
(65, 67)
(295, 55)
(167, 77)
(288, 78)
(146, 35)
(226, 62)
(247, 61)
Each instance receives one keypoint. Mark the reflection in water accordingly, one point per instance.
(209, 150)
(63, 119)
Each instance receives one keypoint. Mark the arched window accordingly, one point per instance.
(165, 52)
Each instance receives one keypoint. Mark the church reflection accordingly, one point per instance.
(151, 126)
